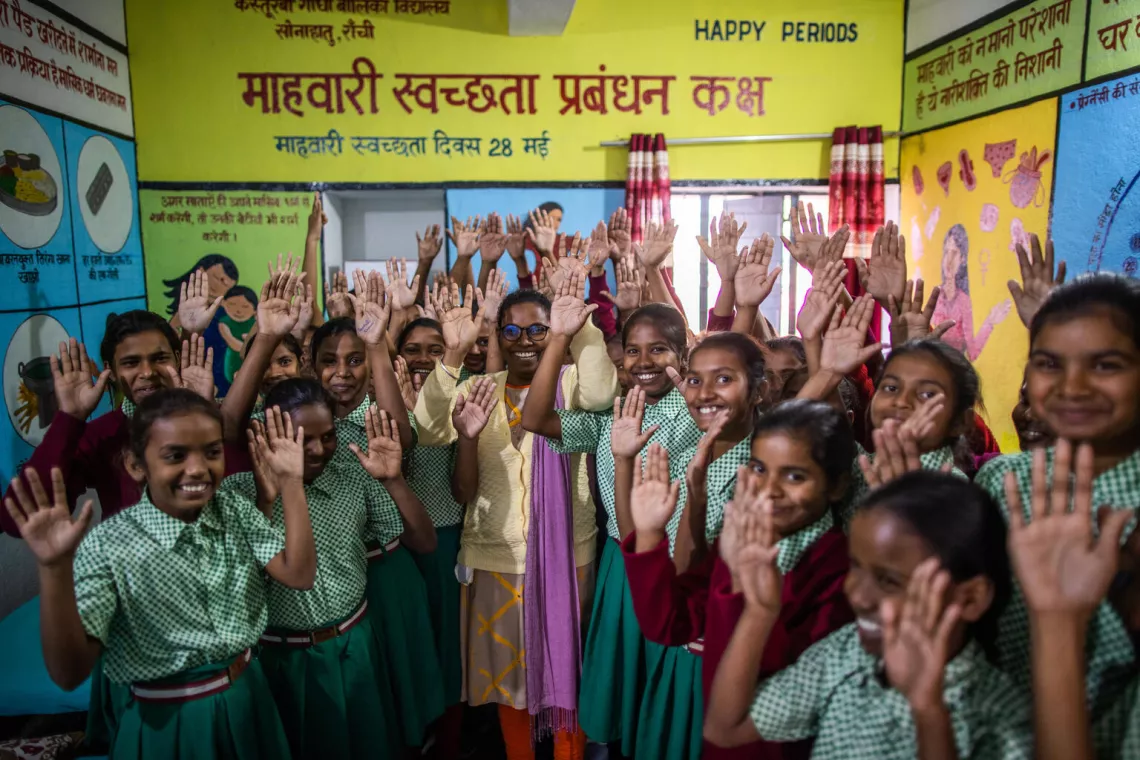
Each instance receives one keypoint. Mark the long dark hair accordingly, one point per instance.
(751, 356)
(821, 426)
(174, 286)
(958, 234)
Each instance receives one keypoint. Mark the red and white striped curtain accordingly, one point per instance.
(855, 195)
(647, 183)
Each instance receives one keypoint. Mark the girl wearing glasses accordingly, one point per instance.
(520, 495)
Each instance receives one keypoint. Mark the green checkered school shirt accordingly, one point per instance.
(429, 475)
(164, 596)
(589, 433)
(128, 408)
(790, 548)
(931, 460)
(1117, 733)
(720, 483)
(345, 511)
(1109, 654)
(834, 694)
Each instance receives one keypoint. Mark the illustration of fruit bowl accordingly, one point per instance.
(26, 186)
(1025, 185)
(36, 377)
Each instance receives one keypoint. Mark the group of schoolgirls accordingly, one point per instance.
(771, 583)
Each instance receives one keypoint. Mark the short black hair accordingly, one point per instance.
(967, 385)
(169, 402)
(338, 326)
(427, 322)
(789, 343)
(295, 392)
(288, 340)
(122, 326)
(964, 528)
(668, 322)
(521, 296)
(821, 426)
(244, 292)
(1102, 292)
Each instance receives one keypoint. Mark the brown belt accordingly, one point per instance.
(186, 692)
(319, 636)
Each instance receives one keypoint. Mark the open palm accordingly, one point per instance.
(45, 523)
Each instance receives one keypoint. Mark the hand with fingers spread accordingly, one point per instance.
(696, 473)
(627, 439)
(619, 232)
(721, 249)
(921, 424)
(428, 246)
(746, 498)
(653, 499)
(753, 282)
(845, 342)
(569, 310)
(1063, 568)
(263, 478)
(629, 281)
(409, 393)
(195, 309)
(285, 265)
(1037, 278)
(760, 579)
(541, 231)
(575, 258)
(196, 369)
(896, 453)
(384, 456)
(516, 240)
(305, 298)
(460, 329)
(45, 523)
(910, 319)
(884, 274)
(600, 248)
(490, 300)
(472, 413)
(282, 449)
(815, 315)
(370, 307)
(810, 234)
(401, 294)
(75, 392)
(658, 243)
(278, 310)
(337, 302)
(543, 285)
(492, 241)
(317, 218)
(464, 236)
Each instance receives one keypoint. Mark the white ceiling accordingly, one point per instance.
(538, 18)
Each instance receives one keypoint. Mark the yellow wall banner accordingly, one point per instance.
(1032, 51)
(1114, 37)
(970, 193)
(437, 91)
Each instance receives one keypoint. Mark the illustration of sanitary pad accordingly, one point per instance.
(919, 185)
(932, 222)
(917, 246)
(989, 218)
(944, 172)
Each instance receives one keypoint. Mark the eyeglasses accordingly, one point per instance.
(535, 332)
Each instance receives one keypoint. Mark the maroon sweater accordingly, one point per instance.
(90, 454)
(675, 610)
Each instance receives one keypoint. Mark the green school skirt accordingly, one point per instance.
(108, 702)
(329, 698)
(398, 608)
(613, 665)
(240, 723)
(672, 713)
(443, 590)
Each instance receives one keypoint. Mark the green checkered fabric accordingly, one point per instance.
(1109, 655)
(351, 427)
(345, 510)
(1117, 733)
(429, 475)
(835, 693)
(129, 408)
(589, 433)
(931, 460)
(791, 548)
(165, 596)
(720, 482)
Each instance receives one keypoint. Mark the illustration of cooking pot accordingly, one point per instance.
(36, 375)
(1025, 185)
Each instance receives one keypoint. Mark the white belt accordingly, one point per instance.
(195, 689)
(696, 647)
(316, 637)
(380, 551)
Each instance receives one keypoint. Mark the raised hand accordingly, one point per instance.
(629, 282)
(492, 241)
(1037, 278)
(746, 498)
(884, 274)
(844, 343)
(464, 236)
(1062, 566)
(195, 310)
(910, 320)
(409, 393)
(696, 473)
(282, 449)
(916, 636)
(401, 295)
(308, 309)
(384, 456)
(71, 374)
(428, 246)
(627, 439)
(658, 243)
(721, 251)
(896, 453)
(317, 218)
(569, 311)
(266, 482)
(809, 234)
(600, 247)
(826, 284)
(337, 302)
(516, 238)
(490, 300)
(197, 367)
(756, 569)
(471, 414)
(460, 329)
(45, 524)
(653, 499)
(753, 282)
(619, 232)
(574, 258)
(276, 316)
(998, 313)
(541, 231)
(370, 306)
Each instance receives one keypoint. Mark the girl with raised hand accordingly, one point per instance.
(653, 342)
(171, 590)
(801, 455)
(910, 678)
(1083, 381)
(529, 532)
